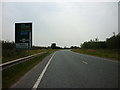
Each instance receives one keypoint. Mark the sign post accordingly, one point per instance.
(23, 35)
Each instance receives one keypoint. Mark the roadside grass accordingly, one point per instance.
(13, 54)
(14, 73)
(105, 53)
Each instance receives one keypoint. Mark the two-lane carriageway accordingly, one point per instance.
(67, 69)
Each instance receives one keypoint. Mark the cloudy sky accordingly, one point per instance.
(66, 23)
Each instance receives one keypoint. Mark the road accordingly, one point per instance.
(68, 69)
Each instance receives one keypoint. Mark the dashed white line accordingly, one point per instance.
(41, 75)
(84, 62)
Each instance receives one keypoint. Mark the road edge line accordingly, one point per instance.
(41, 75)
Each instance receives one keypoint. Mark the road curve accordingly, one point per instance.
(68, 69)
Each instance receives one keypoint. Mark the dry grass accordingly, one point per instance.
(105, 53)
(15, 54)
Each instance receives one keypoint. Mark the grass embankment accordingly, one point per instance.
(105, 53)
(14, 73)
(15, 54)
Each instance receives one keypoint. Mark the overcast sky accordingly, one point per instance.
(66, 23)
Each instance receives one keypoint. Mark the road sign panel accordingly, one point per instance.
(22, 45)
(23, 35)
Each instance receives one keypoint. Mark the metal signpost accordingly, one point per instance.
(23, 35)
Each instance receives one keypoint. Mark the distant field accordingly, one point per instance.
(15, 54)
(105, 53)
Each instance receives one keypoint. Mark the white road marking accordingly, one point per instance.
(84, 62)
(41, 75)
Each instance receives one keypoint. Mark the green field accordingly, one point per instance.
(12, 74)
(105, 53)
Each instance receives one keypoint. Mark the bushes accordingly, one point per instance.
(8, 48)
(8, 45)
(94, 45)
(110, 43)
(9, 52)
(113, 42)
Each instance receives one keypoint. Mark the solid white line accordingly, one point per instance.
(84, 62)
(41, 75)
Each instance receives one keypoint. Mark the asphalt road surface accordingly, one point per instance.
(67, 69)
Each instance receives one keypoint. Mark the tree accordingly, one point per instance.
(113, 42)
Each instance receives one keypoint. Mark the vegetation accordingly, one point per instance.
(105, 53)
(113, 42)
(110, 43)
(9, 52)
(14, 73)
(107, 49)
(74, 47)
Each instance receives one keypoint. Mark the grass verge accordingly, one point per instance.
(13, 54)
(14, 73)
(105, 53)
